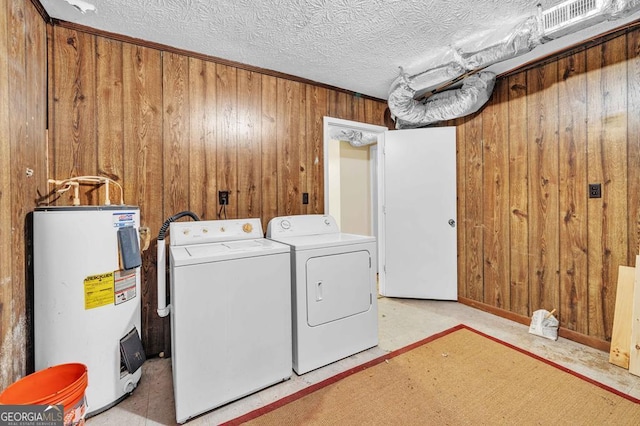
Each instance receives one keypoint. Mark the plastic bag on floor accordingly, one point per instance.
(544, 324)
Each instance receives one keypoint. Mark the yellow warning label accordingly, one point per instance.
(98, 290)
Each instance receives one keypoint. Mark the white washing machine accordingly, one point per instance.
(230, 313)
(334, 296)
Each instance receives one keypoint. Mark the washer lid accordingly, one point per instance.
(228, 250)
(308, 242)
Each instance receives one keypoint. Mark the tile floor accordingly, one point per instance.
(402, 321)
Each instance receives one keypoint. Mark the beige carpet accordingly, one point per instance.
(458, 377)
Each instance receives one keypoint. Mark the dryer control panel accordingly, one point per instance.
(214, 231)
(310, 224)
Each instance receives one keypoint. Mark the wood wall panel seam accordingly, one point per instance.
(495, 201)
(573, 235)
(249, 145)
(461, 207)
(518, 193)
(543, 187)
(7, 150)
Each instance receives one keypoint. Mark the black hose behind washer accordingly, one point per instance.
(165, 225)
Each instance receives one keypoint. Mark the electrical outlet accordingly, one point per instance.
(223, 198)
(595, 190)
(305, 198)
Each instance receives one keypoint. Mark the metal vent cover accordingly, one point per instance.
(568, 13)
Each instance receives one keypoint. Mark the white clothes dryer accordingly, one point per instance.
(333, 289)
(230, 305)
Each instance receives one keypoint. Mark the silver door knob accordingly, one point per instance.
(452, 223)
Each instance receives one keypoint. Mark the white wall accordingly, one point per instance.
(333, 170)
(355, 189)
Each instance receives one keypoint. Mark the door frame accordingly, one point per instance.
(330, 123)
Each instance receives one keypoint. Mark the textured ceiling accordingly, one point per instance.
(357, 45)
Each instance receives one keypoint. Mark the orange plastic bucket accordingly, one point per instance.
(63, 384)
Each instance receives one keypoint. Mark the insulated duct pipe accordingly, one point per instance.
(475, 92)
(355, 138)
(476, 88)
(408, 110)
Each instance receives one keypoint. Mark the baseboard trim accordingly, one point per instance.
(522, 319)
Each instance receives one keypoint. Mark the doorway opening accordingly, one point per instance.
(350, 174)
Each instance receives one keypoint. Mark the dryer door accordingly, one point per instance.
(338, 286)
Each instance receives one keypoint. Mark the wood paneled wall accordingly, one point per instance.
(530, 238)
(174, 130)
(23, 169)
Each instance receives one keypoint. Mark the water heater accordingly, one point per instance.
(87, 294)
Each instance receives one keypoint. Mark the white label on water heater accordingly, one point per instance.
(121, 219)
(125, 283)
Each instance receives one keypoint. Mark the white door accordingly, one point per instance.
(417, 212)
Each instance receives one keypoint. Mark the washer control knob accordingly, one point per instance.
(327, 222)
(247, 227)
(285, 224)
(186, 231)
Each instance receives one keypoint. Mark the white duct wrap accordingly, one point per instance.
(354, 137)
(409, 111)
(520, 40)
(475, 92)
(431, 79)
(621, 8)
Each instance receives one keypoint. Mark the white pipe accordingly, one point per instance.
(161, 270)
(107, 201)
(163, 308)
(76, 181)
(76, 193)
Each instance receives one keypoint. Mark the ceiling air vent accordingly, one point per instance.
(569, 13)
